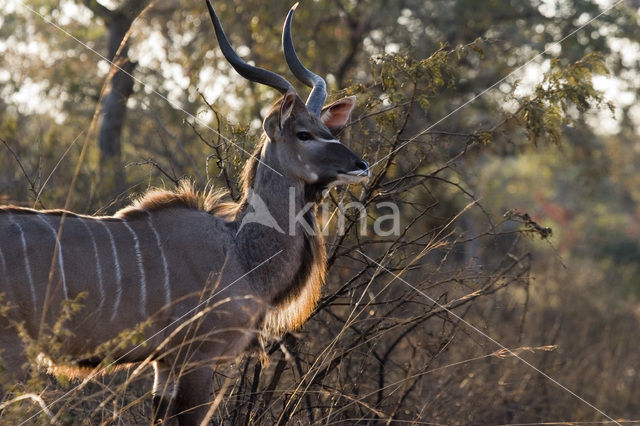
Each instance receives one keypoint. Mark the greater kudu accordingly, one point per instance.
(151, 261)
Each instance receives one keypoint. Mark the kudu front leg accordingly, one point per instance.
(193, 396)
(164, 393)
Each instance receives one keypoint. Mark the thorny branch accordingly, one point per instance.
(32, 184)
(153, 163)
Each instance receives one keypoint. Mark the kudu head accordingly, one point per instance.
(304, 136)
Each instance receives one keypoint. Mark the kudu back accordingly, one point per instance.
(199, 278)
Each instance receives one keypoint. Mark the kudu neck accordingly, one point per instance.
(268, 184)
(275, 219)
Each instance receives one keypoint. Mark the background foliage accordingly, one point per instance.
(477, 189)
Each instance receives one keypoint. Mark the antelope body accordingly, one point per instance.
(205, 281)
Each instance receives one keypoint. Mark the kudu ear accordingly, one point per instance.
(336, 115)
(286, 107)
(276, 118)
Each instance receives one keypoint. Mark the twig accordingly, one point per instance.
(35, 398)
(24, 172)
(157, 166)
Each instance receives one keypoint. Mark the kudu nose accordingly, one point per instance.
(362, 165)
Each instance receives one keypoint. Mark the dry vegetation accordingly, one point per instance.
(451, 322)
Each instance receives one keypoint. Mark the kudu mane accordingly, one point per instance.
(186, 196)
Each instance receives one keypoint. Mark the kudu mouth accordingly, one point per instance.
(361, 173)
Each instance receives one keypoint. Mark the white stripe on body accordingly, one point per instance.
(165, 266)
(57, 243)
(27, 266)
(116, 302)
(143, 280)
(96, 257)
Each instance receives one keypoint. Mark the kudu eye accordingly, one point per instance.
(304, 136)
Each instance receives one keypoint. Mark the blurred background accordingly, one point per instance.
(505, 131)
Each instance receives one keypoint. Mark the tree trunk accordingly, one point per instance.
(114, 109)
(114, 105)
